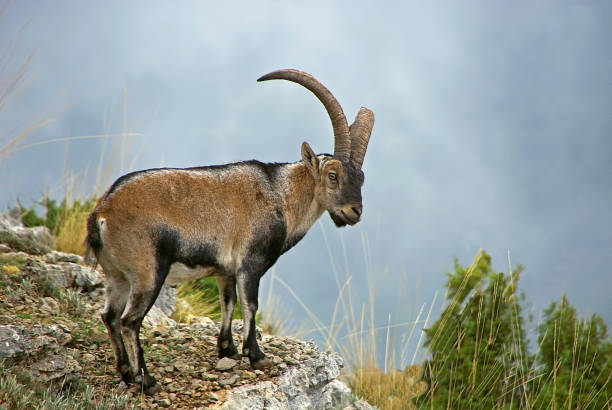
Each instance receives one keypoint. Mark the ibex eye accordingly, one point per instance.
(333, 176)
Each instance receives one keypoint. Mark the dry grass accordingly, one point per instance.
(71, 228)
(191, 302)
(392, 390)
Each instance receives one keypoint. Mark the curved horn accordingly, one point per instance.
(360, 131)
(342, 148)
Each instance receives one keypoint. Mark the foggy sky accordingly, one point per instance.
(493, 126)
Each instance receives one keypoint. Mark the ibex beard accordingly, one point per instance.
(228, 221)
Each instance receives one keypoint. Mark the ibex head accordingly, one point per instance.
(339, 177)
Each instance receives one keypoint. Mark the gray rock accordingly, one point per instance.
(361, 405)
(204, 324)
(56, 256)
(225, 364)
(164, 403)
(65, 275)
(156, 317)
(54, 367)
(228, 379)
(335, 394)
(166, 299)
(85, 277)
(10, 342)
(35, 240)
(257, 396)
(22, 241)
(54, 363)
(312, 384)
(11, 218)
(18, 340)
(39, 234)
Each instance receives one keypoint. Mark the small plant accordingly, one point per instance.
(18, 392)
(17, 260)
(45, 286)
(72, 302)
(13, 394)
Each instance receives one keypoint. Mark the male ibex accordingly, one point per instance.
(229, 221)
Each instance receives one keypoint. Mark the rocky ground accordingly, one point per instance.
(52, 340)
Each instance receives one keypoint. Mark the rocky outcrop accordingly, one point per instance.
(34, 241)
(52, 363)
(50, 332)
(312, 384)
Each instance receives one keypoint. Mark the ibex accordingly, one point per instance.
(229, 221)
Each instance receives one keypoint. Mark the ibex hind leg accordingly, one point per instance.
(117, 289)
(227, 298)
(139, 302)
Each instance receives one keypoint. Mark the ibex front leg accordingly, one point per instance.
(227, 297)
(248, 288)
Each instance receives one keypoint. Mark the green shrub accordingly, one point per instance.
(575, 360)
(478, 345)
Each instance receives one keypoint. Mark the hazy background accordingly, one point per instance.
(493, 126)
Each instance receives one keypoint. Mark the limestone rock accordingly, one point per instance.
(65, 275)
(228, 379)
(18, 340)
(11, 218)
(225, 364)
(38, 234)
(156, 317)
(311, 384)
(21, 240)
(166, 299)
(54, 367)
(55, 257)
(35, 240)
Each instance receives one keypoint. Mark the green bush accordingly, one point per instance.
(575, 360)
(478, 345)
(479, 357)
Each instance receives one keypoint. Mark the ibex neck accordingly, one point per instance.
(300, 206)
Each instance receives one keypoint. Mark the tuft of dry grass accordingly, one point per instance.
(71, 228)
(392, 390)
(191, 303)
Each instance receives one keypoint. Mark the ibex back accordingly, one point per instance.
(229, 221)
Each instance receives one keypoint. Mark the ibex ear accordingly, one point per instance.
(310, 158)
